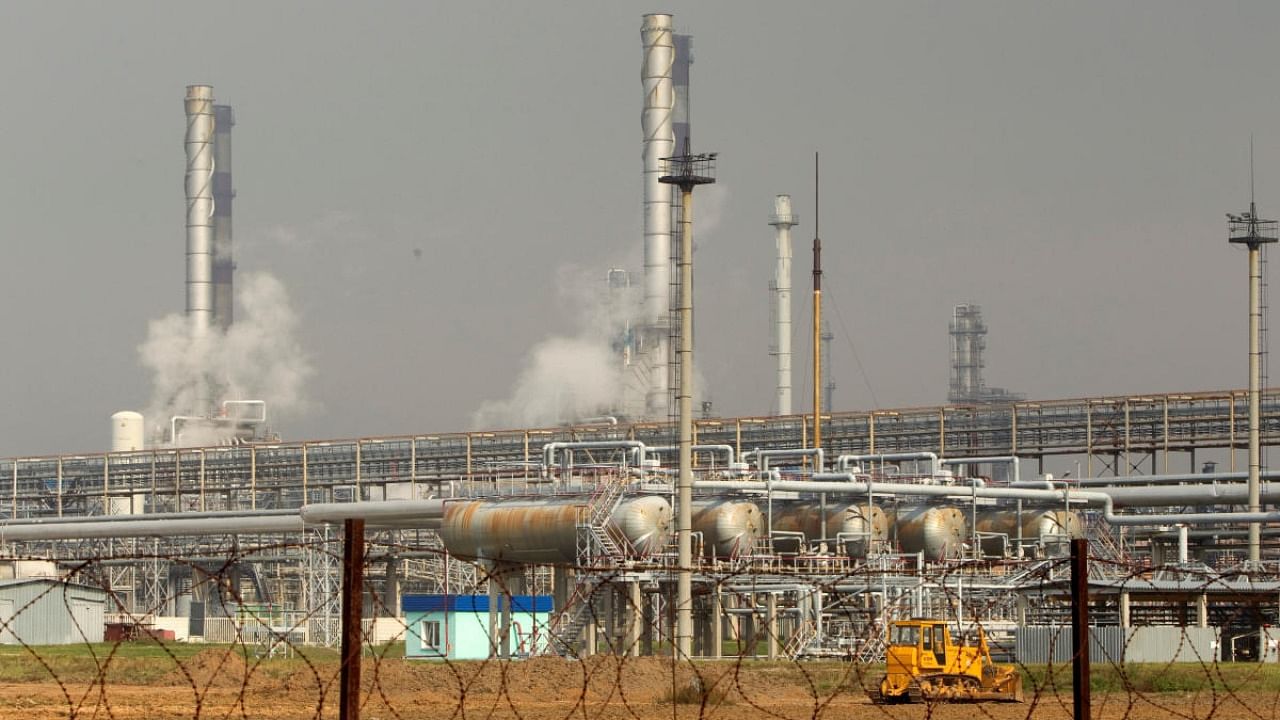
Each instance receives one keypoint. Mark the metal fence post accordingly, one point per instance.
(1080, 627)
(352, 607)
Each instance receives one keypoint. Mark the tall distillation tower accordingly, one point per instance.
(656, 121)
(783, 219)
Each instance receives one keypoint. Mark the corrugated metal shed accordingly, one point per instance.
(1166, 643)
(1052, 644)
(1112, 644)
(45, 611)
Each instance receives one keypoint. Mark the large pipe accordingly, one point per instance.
(659, 142)
(1172, 478)
(761, 457)
(846, 483)
(845, 462)
(1011, 460)
(199, 190)
(550, 449)
(223, 266)
(782, 221)
(139, 527)
(657, 450)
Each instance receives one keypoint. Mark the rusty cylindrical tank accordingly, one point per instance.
(939, 532)
(1050, 530)
(844, 521)
(729, 527)
(544, 530)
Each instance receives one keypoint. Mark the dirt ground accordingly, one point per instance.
(217, 684)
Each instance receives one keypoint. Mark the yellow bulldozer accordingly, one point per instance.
(923, 664)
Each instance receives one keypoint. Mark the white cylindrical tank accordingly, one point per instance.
(729, 528)
(128, 431)
(1051, 531)
(938, 532)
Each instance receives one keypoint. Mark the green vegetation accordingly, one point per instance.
(1159, 678)
(149, 663)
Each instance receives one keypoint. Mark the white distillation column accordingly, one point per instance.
(783, 220)
(659, 142)
(199, 188)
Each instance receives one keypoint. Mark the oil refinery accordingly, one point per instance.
(652, 531)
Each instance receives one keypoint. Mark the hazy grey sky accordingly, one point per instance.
(1065, 166)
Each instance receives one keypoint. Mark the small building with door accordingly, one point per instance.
(49, 611)
(456, 627)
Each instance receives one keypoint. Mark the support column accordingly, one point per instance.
(1202, 610)
(494, 631)
(749, 626)
(589, 646)
(648, 618)
(635, 617)
(717, 624)
(1125, 612)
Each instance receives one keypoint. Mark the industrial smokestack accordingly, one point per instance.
(659, 142)
(223, 266)
(783, 220)
(199, 185)
(681, 70)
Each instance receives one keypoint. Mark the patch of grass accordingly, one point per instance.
(1159, 677)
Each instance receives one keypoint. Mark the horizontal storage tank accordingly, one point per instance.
(545, 530)
(1050, 530)
(937, 531)
(842, 519)
(729, 527)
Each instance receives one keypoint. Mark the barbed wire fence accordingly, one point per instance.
(254, 625)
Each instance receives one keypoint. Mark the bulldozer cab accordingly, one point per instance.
(924, 641)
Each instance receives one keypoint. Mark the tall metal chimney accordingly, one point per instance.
(199, 184)
(223, 194)
(659, 142)
(782, 221)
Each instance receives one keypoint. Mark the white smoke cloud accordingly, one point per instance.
(571, 377)
(566, 379)
(257, 358)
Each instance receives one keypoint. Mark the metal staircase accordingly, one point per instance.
(600, 547)
(568, 625)
(598, 544)
(799, 642)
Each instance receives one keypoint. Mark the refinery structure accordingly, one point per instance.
(790, 534)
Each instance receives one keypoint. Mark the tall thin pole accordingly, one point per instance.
(1255, 401)
(352, 610)
(1253, 232)
(684, 401)
(817, 315)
